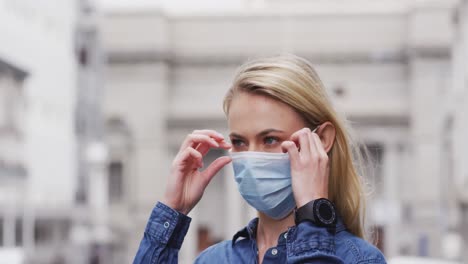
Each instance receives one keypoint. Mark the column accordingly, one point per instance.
(151, 161)
(234, 212)
(392, 202)
(28, 228)
(189, 250)
(463, 106)
(426, 82)
(9, 229)
(97, 157)
(428, 79)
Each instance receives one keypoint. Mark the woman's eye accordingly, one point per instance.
(237, 142)
(270, 140)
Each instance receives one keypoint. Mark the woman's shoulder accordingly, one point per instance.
(212, 254)
(350, 248)
(227, 252)
(217, 248)
(354, 249)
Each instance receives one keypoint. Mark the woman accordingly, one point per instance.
(292, 161)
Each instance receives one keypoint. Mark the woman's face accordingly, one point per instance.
(259, 123)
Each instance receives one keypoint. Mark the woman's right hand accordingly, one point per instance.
(187, 183)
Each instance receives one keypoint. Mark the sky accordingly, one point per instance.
(208, 6)
(175, 5)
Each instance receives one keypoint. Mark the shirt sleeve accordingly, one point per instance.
(308, 243)
(163, 236)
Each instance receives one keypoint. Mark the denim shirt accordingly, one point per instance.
(304, 243)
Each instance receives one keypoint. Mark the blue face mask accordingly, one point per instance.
(264, 181)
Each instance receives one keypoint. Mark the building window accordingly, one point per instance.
(339, 91)
(11, 110)
(81, 195)
(1, 232)
(11, 121)
(43, 231)
(115, 171)
(19, 232)
(83, 56)
(7, 169)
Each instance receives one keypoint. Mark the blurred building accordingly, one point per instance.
(48, 78)
(387, 65)
(81, 167)
(455, 128)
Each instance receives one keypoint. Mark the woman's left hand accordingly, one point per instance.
(309, 166)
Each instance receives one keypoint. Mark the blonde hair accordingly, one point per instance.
(293, 81)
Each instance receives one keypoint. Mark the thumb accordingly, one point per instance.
(215, 167)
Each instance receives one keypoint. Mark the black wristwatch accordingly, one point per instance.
(321, 212)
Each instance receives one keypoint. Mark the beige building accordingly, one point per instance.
(455, 128)
(396, 69)
(13, 172)
(81, 167)
(48, 75)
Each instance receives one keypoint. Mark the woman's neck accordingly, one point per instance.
(268, 230)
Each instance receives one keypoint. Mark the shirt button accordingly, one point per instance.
(285, 235)
(274, 252)
(166, 224)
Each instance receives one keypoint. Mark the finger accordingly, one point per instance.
(193, 140)
(317, 145)
(225, 145)
(204, 148)
(218, 137)
(302, 137)
(291, 148)
(295, 136)
(314, 151)
(215, 167)
(191, 155)
(212, 133)
(320, 155)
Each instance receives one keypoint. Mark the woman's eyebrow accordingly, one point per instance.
(269, 130)
(235, 135)
(261, 134)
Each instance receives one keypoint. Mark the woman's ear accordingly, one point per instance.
(327, 133)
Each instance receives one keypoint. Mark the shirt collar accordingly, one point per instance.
(247, 232)
(251, 229)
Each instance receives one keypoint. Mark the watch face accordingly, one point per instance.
(325, 212)
(320, 212)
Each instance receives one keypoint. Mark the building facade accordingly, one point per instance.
(455, 127)
(388, 67)
(93, 108)
(45, 83)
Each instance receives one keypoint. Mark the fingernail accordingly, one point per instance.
(219, 134)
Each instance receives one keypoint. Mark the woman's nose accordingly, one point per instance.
(255, 147)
